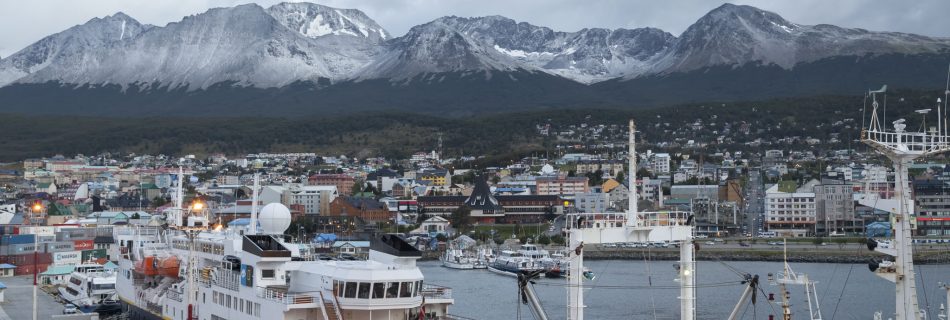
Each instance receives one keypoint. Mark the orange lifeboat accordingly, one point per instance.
(147, 266)
(168, 266)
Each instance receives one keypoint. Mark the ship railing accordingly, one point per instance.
(174, 295)
(432, 291)
(619, 219)
(912, 141)
(287, 298)
(227, 279)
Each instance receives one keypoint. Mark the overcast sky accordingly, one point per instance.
(23, 22)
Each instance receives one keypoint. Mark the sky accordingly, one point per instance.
(23, 22)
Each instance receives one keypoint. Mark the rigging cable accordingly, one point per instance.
(845, 285)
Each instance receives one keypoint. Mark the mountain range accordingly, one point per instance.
(304, 58)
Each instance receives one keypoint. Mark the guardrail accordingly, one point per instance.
(436, 292)
(910, 141)
(285, 297)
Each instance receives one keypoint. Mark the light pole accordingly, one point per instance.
(37, 207)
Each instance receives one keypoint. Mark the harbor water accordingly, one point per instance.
(647, 290)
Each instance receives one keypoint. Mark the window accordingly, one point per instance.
(392, 289)
(350, 290)
(241, 305)
(363, 291)
(267, 273)
(378, 289)
(405, 291)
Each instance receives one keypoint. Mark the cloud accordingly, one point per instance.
(26, 21)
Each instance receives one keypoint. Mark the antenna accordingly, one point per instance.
(252, 225)
(632, 214)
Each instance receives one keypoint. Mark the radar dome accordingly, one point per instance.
(274, 218)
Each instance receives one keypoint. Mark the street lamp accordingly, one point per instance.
(37, 207)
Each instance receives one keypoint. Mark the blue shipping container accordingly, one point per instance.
(17, 239)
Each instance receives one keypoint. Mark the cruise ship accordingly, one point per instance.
(189, 271)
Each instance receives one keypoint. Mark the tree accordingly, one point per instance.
(158, 202)
(544, 239)
(495, 179)
(461, 219)
(422, 217)
(135, 216)
(498, 241)
(440, 237)
(357, 187)
(558, 239)
(621, 177)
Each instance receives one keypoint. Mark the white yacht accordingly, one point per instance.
(511, 263)
(91, 288)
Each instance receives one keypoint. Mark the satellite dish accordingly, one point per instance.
(274, 218)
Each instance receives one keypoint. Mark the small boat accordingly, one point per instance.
(457, 259)
(91, 288)
(511, 263)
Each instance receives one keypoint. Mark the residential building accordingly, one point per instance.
(834, 204)
(932, 206)
(592, 202)
(611, 167)
(314, 199)
(343, 183)
(661, 163)
(790, 212)
(369, 209)
(562, 185)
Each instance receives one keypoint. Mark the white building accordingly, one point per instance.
(790, 214)
(661, 163)
(592, 202)
(314, 199)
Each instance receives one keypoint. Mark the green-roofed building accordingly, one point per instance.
(56, 275)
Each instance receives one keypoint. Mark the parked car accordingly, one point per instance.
(743, 244)
(70, 309)
(709, 243)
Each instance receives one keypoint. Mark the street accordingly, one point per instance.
(18, 300)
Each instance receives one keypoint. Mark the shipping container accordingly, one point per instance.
(93, 254)
(17, 239)
(83, 244)
(62, 246)
(29, 269)
(68, 257)
(14, 249)
(45, 239)
(38, 230)
(22, 259)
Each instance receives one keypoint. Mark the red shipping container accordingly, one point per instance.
(27, 259)
(81, 245)
(29, 269)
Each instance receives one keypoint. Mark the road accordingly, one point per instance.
(18, 300)
(754, 194)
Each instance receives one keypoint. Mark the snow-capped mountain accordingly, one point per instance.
(588, 55)
(737, 35)
(313, 20)
(248, 45)
(87, 44)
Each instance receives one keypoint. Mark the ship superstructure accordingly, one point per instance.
(191, 271)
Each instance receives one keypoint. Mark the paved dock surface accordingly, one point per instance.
(18, 300)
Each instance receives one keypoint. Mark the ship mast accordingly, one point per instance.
(902, 148)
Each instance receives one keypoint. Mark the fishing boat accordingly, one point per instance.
(457, 259)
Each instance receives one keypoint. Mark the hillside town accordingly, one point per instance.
(67, 205)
